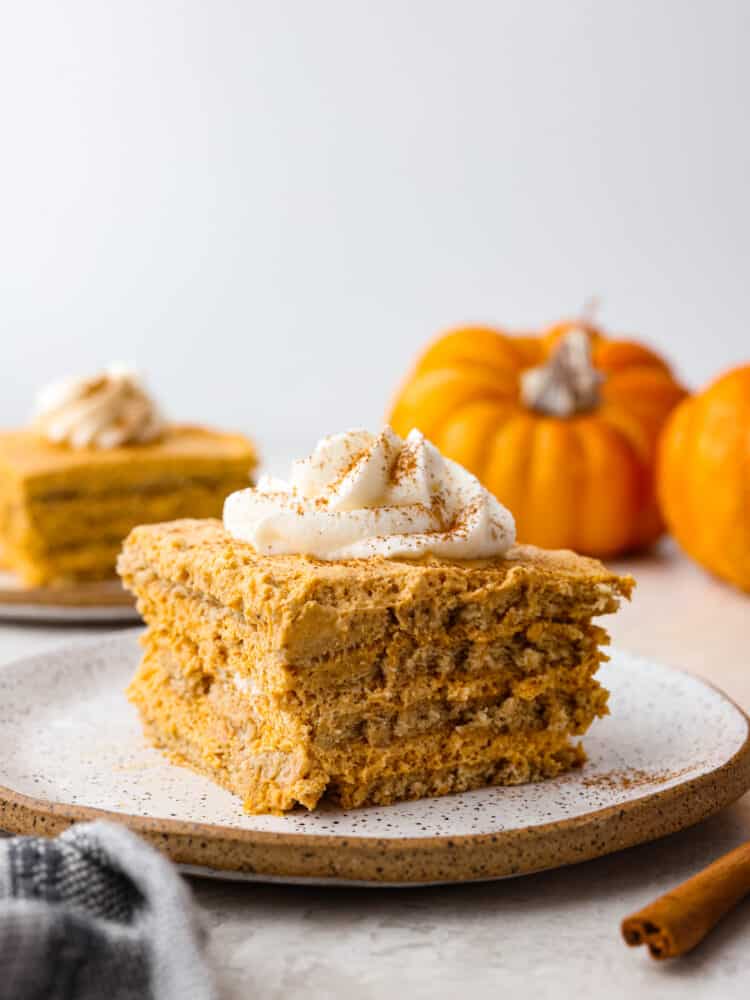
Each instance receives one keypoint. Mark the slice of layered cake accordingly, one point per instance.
(367, 633)
(97, 461)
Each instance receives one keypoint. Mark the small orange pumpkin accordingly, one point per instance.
(561, 427)
(704, 476)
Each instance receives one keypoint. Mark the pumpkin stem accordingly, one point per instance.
(567, 383)
(589, 311)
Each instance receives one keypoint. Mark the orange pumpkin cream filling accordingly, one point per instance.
(289, 680)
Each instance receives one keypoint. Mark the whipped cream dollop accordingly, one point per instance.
(360, 495)
(108, 410)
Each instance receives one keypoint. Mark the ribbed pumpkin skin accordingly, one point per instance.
(585, 482)
(704, 477)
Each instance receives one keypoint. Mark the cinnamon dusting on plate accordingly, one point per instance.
(631, 778)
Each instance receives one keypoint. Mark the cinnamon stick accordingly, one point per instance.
(676, 922)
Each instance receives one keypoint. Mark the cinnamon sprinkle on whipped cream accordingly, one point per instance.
(101, 411)
(360, 495)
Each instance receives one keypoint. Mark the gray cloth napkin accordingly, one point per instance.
(97, 914)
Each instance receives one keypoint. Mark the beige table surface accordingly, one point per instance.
(549, 935)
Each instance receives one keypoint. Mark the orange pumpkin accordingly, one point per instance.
(704, 476)
(561, 427)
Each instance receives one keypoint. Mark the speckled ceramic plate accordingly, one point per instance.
(673, 751)
(104, 601)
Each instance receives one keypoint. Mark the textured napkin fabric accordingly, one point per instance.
(96, 914)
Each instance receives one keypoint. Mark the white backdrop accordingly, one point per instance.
(268, 207)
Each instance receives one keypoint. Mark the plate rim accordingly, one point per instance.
(402, 860)
(108, 593)
(96, 602)
(68, 614)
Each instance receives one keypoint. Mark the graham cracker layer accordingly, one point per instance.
(306, 606)
(351, 717)
(276, 775)
(392, 657)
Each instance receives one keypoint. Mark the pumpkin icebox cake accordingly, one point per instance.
(368, 632)
(97, 461)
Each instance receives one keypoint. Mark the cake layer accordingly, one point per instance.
(225, 640)
(193, 732)
(45, 525)
(376, 714)
(34, 467)
(517, 767)
(229, 729)
(307, 608)
(75, 564)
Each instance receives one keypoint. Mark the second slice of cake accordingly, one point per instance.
(287, 677)
(98, 461)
